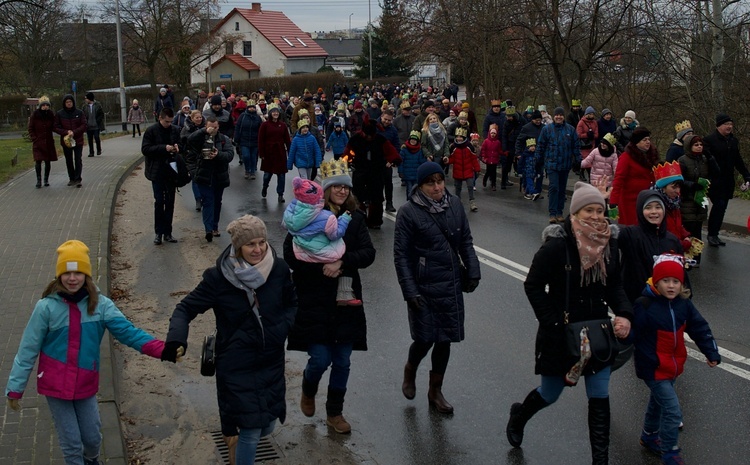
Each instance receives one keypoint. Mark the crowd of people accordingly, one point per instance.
(310, 294)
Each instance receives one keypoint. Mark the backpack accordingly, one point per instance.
(178, 174)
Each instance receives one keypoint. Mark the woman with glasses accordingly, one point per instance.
(327, 331)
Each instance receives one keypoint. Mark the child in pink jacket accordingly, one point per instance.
(490, 153)
(602, 160)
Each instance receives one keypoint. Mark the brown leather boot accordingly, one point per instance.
(334, 407)
(339, 424)
(307, 403)
(435, 394)
(231, 442)
(409, 387)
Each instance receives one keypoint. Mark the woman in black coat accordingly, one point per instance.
(251, 293)
(431, 232)
(575, 276)
(326, 331)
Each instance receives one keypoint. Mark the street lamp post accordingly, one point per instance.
(350, 25)
(369, 33)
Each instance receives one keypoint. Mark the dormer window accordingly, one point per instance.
(300, 41)
(287, 41)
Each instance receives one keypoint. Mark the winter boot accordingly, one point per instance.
(409, 386)
(307, 403)
(520, 414)
(46, 174)
(345, 293)
(651, 442)
(473, 206)
(435, 394)
(231, 442)
(334, 407)
(599, 430)
(38, 176)
(673, 457)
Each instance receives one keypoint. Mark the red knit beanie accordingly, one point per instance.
(669, 266)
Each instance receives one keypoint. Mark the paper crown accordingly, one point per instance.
(493, 127)
(496, 103)
(530, 109)
(531, 142)
(415, 135)
(667, 173)
(609, 137)
(575, 103)
(474, 136)
(461, 132)
(332, 168)
(683, 125)
(511, 110)
(301, 112)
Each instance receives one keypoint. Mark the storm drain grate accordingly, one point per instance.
(267, 450)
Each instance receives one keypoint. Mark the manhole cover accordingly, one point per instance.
(267, 450)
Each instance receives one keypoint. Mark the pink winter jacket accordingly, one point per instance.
(600, 166)
(492, 150)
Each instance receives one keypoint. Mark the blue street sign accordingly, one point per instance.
(75, 86)
(225, 76)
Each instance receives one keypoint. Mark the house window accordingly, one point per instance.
(230, 48)
(236, 26)
(300, 41)
(287, 41)
(247, 48)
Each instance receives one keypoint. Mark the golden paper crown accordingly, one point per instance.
(682, 126)
(415, 135)
(334, 168)
(531, 142)
(609, 137)
(575, 102)
(461, 132)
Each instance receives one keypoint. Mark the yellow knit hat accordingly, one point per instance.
(73, 256)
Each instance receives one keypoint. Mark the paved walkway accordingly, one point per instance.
(35, 222)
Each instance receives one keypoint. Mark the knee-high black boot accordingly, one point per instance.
(38, 168)
(46, 173)
(599, 430)
(520, 414)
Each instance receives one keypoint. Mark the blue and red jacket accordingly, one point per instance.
(658, 334)
(67, 339)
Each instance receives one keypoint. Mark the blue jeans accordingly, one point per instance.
(280, 181)
(597, 386)
(337, 356)
(78, 429)
(211, 200)
(409, 186)
(663, 413)
(457, 183)
(558, 181)
(247, 444)
(196, 192)
(249, 158)
(163, 207)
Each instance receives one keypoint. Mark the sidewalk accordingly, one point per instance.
(35, 222)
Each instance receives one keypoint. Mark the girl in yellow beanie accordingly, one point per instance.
(65, 332)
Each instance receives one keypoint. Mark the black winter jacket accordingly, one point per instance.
(209, 172)
(639, 243)
(427, 266)
(584, 302)
(320, 320)
(695, 167)
(726, 150)
(249, 350)
(246, 129)
(528, 131)
(154, 148)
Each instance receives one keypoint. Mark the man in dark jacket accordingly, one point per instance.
(246, 137)
(513, 125)
(558, 147)
(94, 123)
(530, 130)
(224, 117)
(391, 135)
(404, 122)
(160, 146)
(725, 148)
(209, 153)
(496, 115)
(70, 122)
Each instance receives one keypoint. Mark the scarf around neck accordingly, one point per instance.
(433, 206)
(436, 136)
(252, 276)
(592, 241)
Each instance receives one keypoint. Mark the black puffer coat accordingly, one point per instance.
(639, 243)
(320, 320)
(427, 266)
(585, 302)
(249, 350)
(694, 167)
(154, 148)
(212, 172)
(726, 151)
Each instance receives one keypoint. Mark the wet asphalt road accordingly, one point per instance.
(493, 367)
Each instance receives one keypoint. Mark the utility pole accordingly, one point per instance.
(208, 43)
(369, 32)
(121, 62)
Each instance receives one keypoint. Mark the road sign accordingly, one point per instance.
(75, 86)
(225, 76)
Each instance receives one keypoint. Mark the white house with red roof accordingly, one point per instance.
(266, 43)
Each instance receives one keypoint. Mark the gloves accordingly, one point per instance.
(577, 167)
(173, 351)
(613, 213)
(415, 303)
(745, 187)
(14, 404)
(703, 183)
(471, 285)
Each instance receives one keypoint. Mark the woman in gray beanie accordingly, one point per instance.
(575, 276)
(252, 296)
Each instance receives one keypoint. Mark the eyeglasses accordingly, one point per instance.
(340, 188)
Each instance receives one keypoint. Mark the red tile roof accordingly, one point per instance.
(280, 31)
(238, 60)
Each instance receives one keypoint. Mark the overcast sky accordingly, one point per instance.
(316, 15)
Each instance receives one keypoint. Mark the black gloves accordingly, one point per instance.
(471, 285)
(169, 354)
(415, 303)
(576, 166)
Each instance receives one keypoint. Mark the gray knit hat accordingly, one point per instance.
(246, 228)
(585, 194)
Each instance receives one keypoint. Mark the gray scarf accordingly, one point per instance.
(436, 136)
(432, 206)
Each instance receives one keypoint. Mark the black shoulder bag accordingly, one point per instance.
(208, 355)
(602, 341)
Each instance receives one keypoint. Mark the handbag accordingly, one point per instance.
(208, 355)
(601, 337)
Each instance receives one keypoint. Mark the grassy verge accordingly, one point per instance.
(9, 150)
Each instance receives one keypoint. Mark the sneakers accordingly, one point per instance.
(71, 183)
(198, 205)
(510, 183)
(79, 183)
(281, 199)
(651, 442)
(673, 457)
(536, 196)
(339, 424)
(252, 176)
(247, 175)
(473, 206)
(528, 197)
